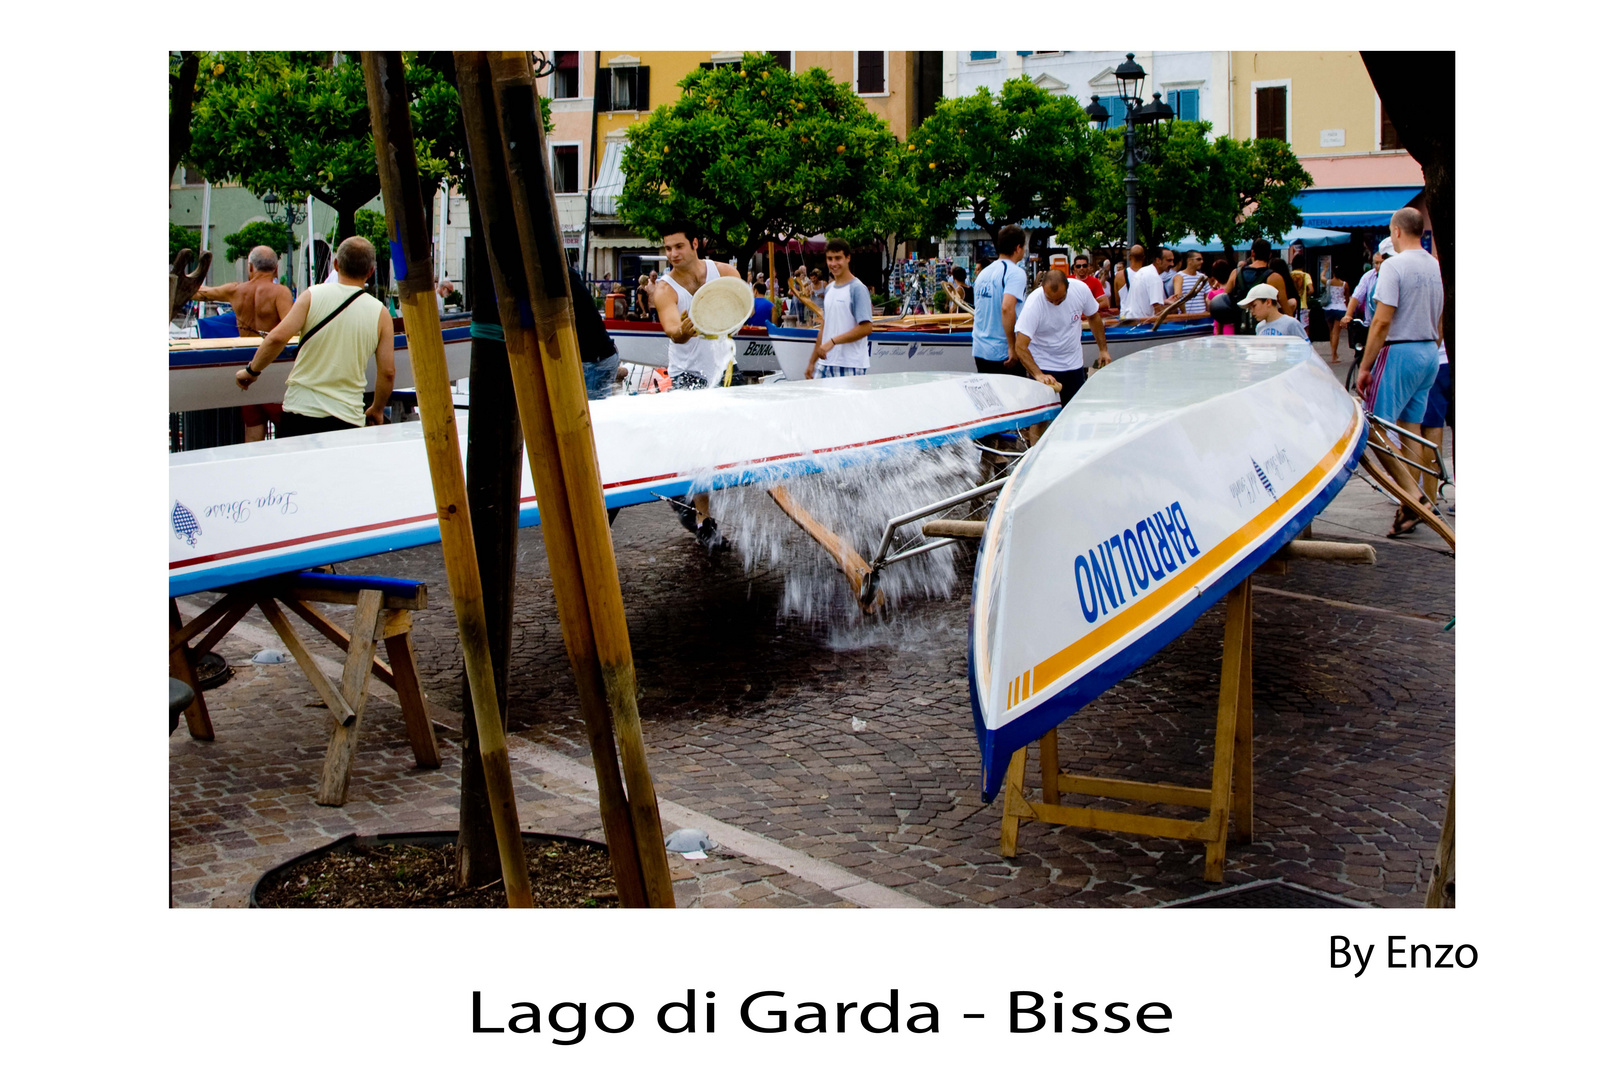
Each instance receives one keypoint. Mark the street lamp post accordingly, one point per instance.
(1130, 77)
(294, 214)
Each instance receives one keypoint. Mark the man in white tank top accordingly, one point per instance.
(341, 328)
(693, 361)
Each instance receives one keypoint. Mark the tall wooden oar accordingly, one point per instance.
(545, 465)
(561, 377)
(412, 266)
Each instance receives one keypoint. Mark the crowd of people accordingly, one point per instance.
(1021, 327)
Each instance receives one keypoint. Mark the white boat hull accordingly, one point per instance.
(242, 512)
(202, 371)
(1166, 481)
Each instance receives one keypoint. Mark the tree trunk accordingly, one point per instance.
(181, 96)
(1417, 91)
(493, 481)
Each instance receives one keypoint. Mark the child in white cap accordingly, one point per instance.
(1263, 301)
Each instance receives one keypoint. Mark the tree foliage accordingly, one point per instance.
(298, 123)
(752, 152)
(1024, 154)
(181, 237)
(272, 234)
(1190, 186)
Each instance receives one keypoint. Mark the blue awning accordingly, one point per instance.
(1342, 208)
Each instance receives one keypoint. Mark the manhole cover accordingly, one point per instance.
(1267, 894)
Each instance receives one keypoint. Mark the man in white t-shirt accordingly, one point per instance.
(1050, 334)
(842, 348)
(1145, 297)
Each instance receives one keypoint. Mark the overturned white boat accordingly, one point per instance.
(1170, 477)
(237, 513)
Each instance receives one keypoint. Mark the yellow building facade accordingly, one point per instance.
(1325, 106)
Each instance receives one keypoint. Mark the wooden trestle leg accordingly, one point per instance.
(1227, 800)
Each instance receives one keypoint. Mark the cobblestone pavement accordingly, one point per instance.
(857, 764)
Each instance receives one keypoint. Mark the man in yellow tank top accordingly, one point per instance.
(341, 329)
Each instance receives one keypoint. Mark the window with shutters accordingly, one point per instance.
(564, 172)
(870, 72)
(1186, 104)
(623, 85)
(1116, 110)
(564, 83)
(1389, 134)
(1270, 119)
(981, 55)
(784, 59)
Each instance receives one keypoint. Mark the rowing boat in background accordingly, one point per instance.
(1169, 478)
(936, 350)
(202, 371)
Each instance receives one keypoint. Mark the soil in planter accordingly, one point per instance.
(563, 875)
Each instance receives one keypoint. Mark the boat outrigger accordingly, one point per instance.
(1168, 479)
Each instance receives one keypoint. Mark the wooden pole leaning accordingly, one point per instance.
(559, 373)
(544, 463)
(406, 223)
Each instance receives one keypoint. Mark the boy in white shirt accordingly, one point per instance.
(842, 348)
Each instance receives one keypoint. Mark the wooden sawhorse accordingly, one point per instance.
(382, 608)
(1228, 800)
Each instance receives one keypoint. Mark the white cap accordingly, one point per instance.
(1260, 292)
(1386, 247)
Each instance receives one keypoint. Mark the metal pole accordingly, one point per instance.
(207, 201)
(1130, 185)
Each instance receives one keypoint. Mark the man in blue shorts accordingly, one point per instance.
(1400, 358)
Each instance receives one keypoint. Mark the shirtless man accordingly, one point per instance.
(260, 303)
(693, 363)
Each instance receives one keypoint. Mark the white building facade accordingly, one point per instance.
(1196, 85)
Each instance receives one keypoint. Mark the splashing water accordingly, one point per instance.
(854, 499)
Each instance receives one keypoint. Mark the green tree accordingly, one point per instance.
(1190, 186)
(752, 152)
(181, 237)
(298, 123)
(271, 234)
(1025, 154)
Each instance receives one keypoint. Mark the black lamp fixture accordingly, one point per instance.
(1130, 77)
(1152, 113)
(289, 211)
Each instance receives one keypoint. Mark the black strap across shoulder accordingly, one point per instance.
(307, 334)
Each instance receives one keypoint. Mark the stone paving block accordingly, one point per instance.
(1354, 718)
